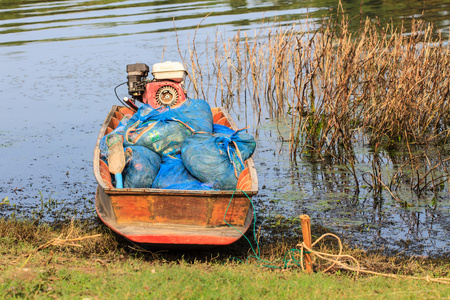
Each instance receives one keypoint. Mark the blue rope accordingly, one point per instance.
(289, 259)
(257, 252)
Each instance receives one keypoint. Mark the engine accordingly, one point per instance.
(166, 88)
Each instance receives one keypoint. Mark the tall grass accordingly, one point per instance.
(379, 85)
(383, 82)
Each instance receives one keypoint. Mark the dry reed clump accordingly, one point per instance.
(332, 86)
(74, 237)
(24, 231)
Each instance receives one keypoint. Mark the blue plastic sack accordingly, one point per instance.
(214, 160)
(192, 186)
(245, 142)
(195, 113)
(141, 168)
(164, 129)
(163, 136)
(221, 129)
(173, 175)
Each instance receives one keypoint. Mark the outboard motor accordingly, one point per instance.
(166, 88)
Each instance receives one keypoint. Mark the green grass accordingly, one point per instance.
(137, 279)
(105, 267)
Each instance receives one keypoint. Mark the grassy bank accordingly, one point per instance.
(87, 261)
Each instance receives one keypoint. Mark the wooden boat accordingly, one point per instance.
(168, 218)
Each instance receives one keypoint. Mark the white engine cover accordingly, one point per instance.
(169, 71)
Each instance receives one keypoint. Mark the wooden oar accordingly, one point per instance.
(116, 157)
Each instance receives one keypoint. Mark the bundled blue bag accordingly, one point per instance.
(245, 142)
(192, 186)
(163, 136)
(141, 168)
(164, 129)
(221, 130)
(173, 175)
(214, 160)
(196, 113)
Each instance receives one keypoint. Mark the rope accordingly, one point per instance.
(257, 252)
(289, 259)
(337, 260)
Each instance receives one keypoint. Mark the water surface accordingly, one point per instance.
(60, 62)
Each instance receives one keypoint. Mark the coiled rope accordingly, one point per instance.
(339, 259)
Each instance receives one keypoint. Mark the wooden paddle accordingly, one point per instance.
(116, 157)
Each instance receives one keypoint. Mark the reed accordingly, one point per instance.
(379, 85)
(333, 87)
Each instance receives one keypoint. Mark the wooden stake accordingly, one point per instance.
(306, 231)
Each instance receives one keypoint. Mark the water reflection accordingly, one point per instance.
(68, 20)
(325, 190)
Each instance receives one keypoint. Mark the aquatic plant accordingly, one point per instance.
(379, 85)
(333, 83)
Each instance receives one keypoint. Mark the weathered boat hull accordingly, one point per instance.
(163, 217)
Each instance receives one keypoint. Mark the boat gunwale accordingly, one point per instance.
(150, 191)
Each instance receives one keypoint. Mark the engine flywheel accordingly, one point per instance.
(166, 95)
